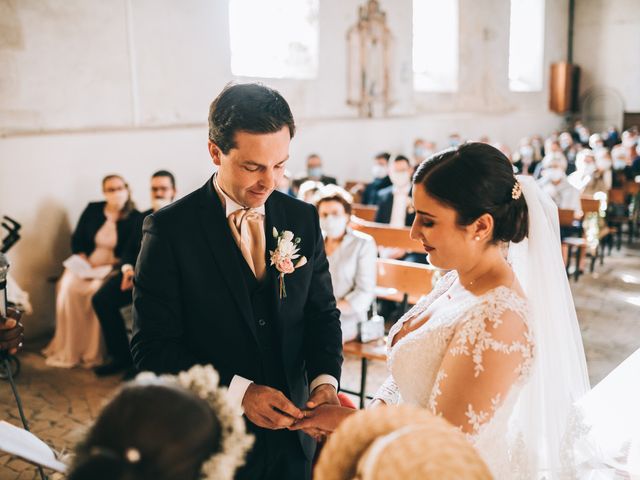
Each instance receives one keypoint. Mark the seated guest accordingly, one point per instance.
(524, 159)
(352, 259)
(422, 149)
(570, 150)
(307, 191)
(396, 209)
(101, 237)
(165, 428)
(394, 202)
(380, 171)
(591, 176)
(554, 181)
(315, 172)
(116, 292)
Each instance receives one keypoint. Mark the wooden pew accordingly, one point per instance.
(403, 282)
(364, 212)
(386, 236)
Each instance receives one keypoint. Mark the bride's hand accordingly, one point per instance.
(325, 418)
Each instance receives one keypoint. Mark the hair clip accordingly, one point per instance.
(516, 191)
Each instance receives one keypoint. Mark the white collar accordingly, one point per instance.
(229, 204)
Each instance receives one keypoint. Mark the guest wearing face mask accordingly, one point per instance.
(101, 236)
(591, 175)
(554, 181)
(380, 172)
(422, 149)
(352, 259)
(315, 172)
(523, 159)
(116, 292)
(394, 202)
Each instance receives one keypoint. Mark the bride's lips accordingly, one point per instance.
(427, 248)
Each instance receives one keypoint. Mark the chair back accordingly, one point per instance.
(365, 212)
(410, 280)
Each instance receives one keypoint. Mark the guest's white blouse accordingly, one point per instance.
(353, 271)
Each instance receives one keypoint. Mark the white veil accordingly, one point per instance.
(559, 371)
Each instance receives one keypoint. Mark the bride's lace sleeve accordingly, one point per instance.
(388, 392)
(490, 351)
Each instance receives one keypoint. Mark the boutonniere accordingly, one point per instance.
(285, 257)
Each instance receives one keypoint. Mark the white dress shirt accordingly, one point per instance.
(399, 208)
(238, 386)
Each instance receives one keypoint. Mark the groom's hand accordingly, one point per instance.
(269, 408)
(323, 394)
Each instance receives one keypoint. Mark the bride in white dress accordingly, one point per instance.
(495, 347)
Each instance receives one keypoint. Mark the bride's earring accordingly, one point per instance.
(477, 238)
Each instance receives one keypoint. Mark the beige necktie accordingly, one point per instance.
(247, 228)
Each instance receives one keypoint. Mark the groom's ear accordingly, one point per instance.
(482, 227)
(215, 153)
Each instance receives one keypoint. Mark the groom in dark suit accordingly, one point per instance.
(207, 293)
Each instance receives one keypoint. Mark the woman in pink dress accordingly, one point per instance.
(102, 234)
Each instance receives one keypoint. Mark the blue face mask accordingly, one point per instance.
(315, 172)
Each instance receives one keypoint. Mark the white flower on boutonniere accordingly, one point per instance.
(285, 257)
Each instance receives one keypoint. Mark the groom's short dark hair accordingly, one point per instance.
(249, 107)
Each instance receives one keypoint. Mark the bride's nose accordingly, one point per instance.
(415, 232)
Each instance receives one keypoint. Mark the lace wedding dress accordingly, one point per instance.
(505, 369)
(460, 334)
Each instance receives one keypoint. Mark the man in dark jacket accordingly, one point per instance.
(115, 293)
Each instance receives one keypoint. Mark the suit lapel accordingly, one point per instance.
(222, 244)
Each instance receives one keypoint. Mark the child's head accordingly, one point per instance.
(160, 428)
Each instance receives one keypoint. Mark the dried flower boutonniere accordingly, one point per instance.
(285, 257)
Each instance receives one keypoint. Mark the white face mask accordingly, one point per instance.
(526, 152)
(334, 226)
(116, 200)
(554, 174)
(158, 203)
(619, 163)
(379, 171)
(400, 179)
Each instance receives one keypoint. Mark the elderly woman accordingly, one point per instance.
(352, 259)
(102, 233)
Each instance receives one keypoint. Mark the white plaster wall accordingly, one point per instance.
(90, 87)
(606, 46)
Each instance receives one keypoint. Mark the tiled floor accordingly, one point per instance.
(60, 404)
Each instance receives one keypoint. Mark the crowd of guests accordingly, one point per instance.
(90, 328)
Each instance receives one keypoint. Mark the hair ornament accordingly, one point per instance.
(516, 191)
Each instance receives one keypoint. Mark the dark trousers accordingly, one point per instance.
(276, 455)
(107, 302)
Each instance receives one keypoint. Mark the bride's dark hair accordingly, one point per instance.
(474, 179)
(149, 432)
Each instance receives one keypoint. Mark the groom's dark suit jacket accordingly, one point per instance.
(194, 304)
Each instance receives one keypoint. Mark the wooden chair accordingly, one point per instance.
(590, 205)
(364, 212)
(567, 219)
(403, 282)
(386, 236)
